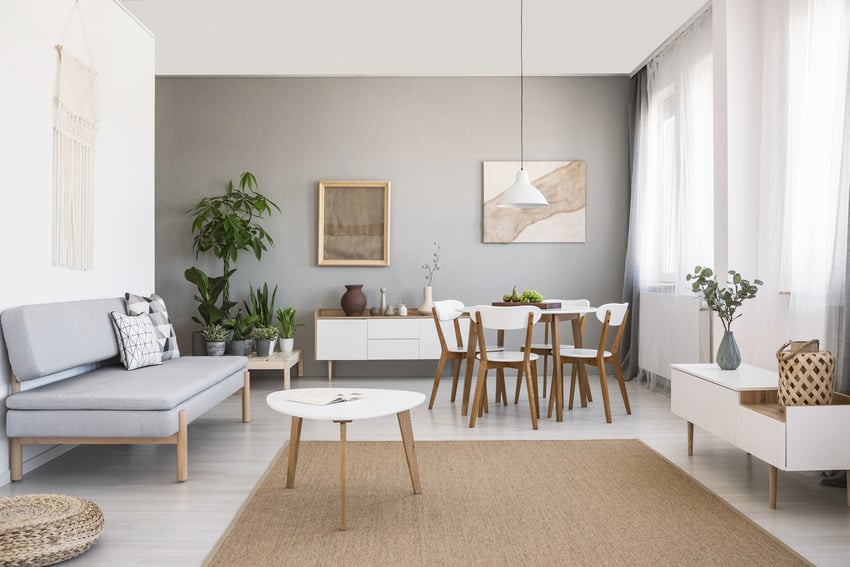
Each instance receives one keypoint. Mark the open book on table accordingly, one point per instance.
(321, 397)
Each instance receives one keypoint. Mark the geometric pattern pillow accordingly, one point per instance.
(137, 342)
(154, 307)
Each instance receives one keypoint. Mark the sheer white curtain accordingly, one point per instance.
(803, 224)
(676, 224)
(671, 219)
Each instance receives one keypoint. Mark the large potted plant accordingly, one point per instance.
(211, 309)
(724, 301)
(228, 224)
(286, 317)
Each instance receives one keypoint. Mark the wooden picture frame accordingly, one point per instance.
(354, 223)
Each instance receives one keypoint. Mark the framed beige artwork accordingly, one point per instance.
(563, 183)
(354, 223)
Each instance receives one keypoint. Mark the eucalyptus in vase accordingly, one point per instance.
(724, 301)
(427, 301)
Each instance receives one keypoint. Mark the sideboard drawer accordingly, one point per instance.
(393, 349)
(394, 329)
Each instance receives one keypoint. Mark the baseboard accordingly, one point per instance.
(35, 461)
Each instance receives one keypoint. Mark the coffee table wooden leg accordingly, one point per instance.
(301, 366)
(294, 441)
(343, 525)
(286, 376)
(330, 370)
(406, 428)
(246, 397)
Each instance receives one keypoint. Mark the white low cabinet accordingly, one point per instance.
(740, 406)
(413, 337)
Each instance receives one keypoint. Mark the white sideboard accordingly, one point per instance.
(740, 406)
(412, 337)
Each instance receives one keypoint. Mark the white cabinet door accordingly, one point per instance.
(338, 339)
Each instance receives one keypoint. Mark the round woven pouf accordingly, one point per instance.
(43, 529)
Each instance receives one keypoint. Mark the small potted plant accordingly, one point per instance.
(724, 301)
(264, 338)
(215, 335)
(241, 325)
(287, 328)
(211, 308)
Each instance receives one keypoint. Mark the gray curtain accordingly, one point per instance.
(638, 111)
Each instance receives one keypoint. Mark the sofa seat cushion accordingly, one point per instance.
(160, 387)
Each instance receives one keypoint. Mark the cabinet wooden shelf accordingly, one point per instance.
(740, 406)
(366, 337)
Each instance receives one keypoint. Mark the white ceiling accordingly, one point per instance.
(406, 37)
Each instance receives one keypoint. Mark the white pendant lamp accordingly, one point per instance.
(522, 194)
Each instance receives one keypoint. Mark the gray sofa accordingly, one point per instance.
(93, 398)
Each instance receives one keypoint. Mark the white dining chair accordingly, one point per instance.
(444, 311)
(523, 361)
(544, 349)
(610, 315)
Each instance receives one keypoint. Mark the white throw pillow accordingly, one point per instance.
(137, 341)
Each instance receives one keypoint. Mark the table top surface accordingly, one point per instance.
(744, 378)
(570, 310)
(376, 403)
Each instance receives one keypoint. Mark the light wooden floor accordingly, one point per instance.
(153, 520)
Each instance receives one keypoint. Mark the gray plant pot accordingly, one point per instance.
(264, 347)
(215, 348)
(240, 348)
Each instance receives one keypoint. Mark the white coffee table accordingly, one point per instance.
(377, 403)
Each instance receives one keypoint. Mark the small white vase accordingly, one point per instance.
(427, 304)
(286, 344)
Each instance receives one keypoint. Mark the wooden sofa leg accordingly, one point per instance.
(246, 398)
(182, 447)
(16, 458)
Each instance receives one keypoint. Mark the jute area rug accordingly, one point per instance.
(612, 502)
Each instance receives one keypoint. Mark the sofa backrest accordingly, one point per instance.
(47, 338)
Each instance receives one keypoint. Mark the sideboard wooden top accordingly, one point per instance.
(412, 313)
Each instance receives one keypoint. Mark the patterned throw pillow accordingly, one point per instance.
(154, 307)
(137, 341)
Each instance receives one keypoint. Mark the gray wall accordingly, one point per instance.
(429, 137)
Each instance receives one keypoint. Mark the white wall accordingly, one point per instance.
(123, 52)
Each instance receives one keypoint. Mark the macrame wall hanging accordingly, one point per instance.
(77, 115)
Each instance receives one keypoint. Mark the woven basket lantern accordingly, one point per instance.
(806, 374)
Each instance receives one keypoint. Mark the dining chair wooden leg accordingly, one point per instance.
(501, 393)
(479, 390)
(530, 395)
(545, 372)
(553, 394)
(456, 377)
(619, 372)
(604, 383)
(440, 366)
(516, 392)
(573, 376)
(534, 384)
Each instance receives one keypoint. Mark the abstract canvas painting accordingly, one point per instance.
(563, 183)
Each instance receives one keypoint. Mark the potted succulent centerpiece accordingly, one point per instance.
(724, 301)
(241, 326)
(215, 335)
(264, 339)
(286, 317)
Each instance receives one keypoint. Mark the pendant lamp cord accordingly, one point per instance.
(521, 92)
